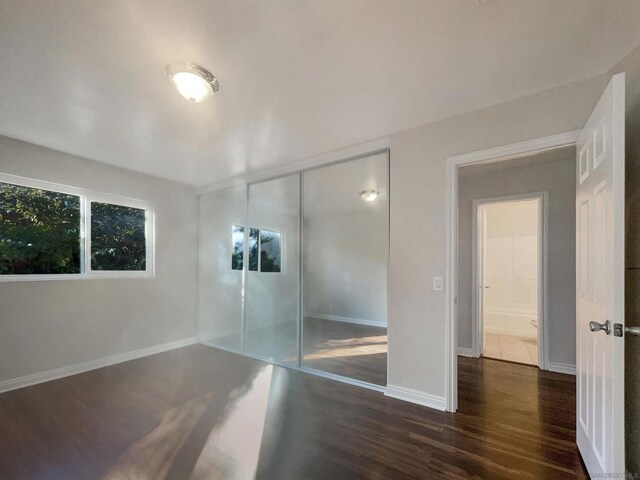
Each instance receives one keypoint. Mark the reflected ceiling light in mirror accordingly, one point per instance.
(369, 195)
(193, 82)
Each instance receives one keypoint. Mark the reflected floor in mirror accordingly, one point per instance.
(202, 413)
(347, 349)
(341, 348)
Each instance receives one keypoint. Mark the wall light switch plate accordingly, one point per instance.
(438, 284)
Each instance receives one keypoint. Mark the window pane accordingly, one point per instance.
(237, 257)
(253, 249)
(39, 231)
(117, 237)
(270, 258)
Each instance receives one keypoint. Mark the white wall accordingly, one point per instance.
(53, 324)
(345, 264)
(417, 333)
(511, 268)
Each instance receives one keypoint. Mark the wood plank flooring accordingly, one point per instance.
(347, 349)
(342, 348)
(201, 413)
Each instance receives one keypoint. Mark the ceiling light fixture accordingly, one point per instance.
(193, 82)
(369, 195)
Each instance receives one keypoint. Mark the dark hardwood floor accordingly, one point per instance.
(342, 348)
(347, 349)
(201, 413)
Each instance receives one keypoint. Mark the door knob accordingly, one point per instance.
(632, 330)
(596, 327)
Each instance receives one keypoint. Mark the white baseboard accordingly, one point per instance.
(561, 368)
(465, 352)
(46, 376)
(416, 396)
(337, 318)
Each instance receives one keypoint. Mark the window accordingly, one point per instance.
(50, 231)
(254, 239)
(265, 250)
(270, 259)
(237, 257)
(117, 237)
(39, 231)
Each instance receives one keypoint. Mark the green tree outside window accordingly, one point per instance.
(118, 240)
(39, 231)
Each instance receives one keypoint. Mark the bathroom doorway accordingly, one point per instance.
(509, 277)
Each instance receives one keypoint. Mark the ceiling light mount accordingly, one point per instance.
(369, 195)
(192, 81)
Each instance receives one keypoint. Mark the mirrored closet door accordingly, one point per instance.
(317, 240)
(272, 277)
(221, 267)
(345, 256)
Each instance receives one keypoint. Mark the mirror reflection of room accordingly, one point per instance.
(346, 235)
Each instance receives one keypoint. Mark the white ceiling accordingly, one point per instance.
(297, 77)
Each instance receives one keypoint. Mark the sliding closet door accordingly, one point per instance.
(272, 281)
(220, 267)
(345, 251)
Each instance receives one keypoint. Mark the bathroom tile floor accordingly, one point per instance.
(511, 348)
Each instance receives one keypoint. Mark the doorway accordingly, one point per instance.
(597, 220)
(509, 251)
(510, 173)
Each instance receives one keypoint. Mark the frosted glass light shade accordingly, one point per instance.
(369, 195)
(191, 81)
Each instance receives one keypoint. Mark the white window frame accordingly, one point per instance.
(86, 198)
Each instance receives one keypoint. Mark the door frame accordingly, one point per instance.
(491, 155)
(477, 269)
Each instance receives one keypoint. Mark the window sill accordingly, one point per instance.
(102, 275)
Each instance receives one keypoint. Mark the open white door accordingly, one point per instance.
(600, 284)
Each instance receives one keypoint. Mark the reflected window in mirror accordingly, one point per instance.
(237, 239)
(254, 249)
(270, 252)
